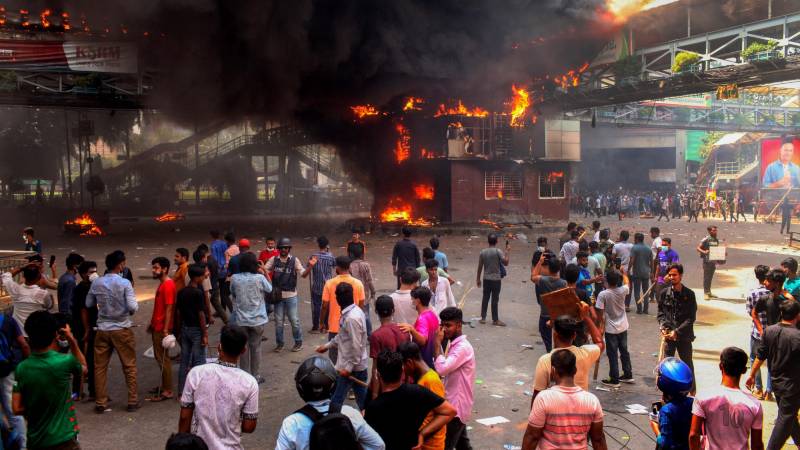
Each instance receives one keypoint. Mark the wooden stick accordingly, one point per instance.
(639, 302)
(357, 381)
(661, 350)
(464, 296)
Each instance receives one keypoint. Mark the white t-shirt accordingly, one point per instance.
(221, 397)
(623, 250)
(656, 245)
(585, 357)
(613, 302)
(404, 311)
(730, 414)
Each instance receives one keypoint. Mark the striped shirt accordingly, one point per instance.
(565, 414)
(322, 271)
(756, 295)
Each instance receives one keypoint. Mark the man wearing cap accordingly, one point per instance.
(284, 269)
(233, 264)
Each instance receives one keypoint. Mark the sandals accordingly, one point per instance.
(159, 398)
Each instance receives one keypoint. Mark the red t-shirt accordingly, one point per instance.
(165, 295)
(387, 336)
(266, 254)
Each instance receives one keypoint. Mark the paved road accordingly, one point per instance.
(505, 367)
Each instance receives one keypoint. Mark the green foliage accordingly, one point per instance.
(628, 67)
(708, 143)
(759, 47)
(683, 60)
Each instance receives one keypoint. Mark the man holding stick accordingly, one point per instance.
(677, 312)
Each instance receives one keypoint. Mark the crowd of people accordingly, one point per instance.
(412, 373)
(668, 205)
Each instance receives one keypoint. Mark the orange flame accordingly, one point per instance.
(427, 154)
(399, 211)
(554, 177)
(362, 111)
(571, 78)
(170, 217)
(423, 191)
(402, 148)
(491, 223)
(43, 16)
(412, 104)
(519, 106)
(619, 11)
(460, 110)
(86, 224)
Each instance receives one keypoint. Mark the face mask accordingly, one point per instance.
(664, 248)
(93, 277)
(541, 249)
(25, 238)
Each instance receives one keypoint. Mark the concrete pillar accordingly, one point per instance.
(680, 157)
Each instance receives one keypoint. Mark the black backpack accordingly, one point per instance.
(331, 431)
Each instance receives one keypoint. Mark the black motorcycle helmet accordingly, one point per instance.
(315, 379)
(284, 242)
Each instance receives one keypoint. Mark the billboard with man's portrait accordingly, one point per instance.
(780, 163)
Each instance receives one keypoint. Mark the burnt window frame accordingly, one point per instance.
(543, 183)
(513, 186)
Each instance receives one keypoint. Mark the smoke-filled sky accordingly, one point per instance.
(273, 58)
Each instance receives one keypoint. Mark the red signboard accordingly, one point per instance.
(70, 56)
(780, 163)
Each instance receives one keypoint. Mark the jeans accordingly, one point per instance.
(365, 309)
(17, 422)
(709, 267)
(192, 353)
(786, 423)
(640, 286)
(684, 349)
(786, 221)
(618, 344)
(225, 294)
(217, 305)
(124, 342)
(546, 333)
(333, 352)
(287, 307)
(343, 386)
(316, 310)
(490, 288)
(162, 359)
(754, 343)
(457, 435)
(250, 362)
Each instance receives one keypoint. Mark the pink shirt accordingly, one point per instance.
(730, 414)
(565, 414)
(458, 370)
(427, 324)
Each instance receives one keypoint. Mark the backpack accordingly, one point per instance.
(6, 353)
(331, 431)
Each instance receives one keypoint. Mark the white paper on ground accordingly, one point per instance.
(489, 421)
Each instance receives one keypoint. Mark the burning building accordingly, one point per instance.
(460, 163)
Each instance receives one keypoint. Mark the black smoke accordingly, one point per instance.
(307, 61)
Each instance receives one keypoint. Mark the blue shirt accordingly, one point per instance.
(36, 246)
(218, 248)
(322, 271)
(441, 258)
(792, 285)
(674, 422)
(248, 295)
(774, 173)
(66, 286)
(115, 301)
(296, 429)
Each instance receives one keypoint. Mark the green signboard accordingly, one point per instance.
(694, 141)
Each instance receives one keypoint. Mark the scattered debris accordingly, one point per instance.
(519, 383)
(496, 395)
(492, 421)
